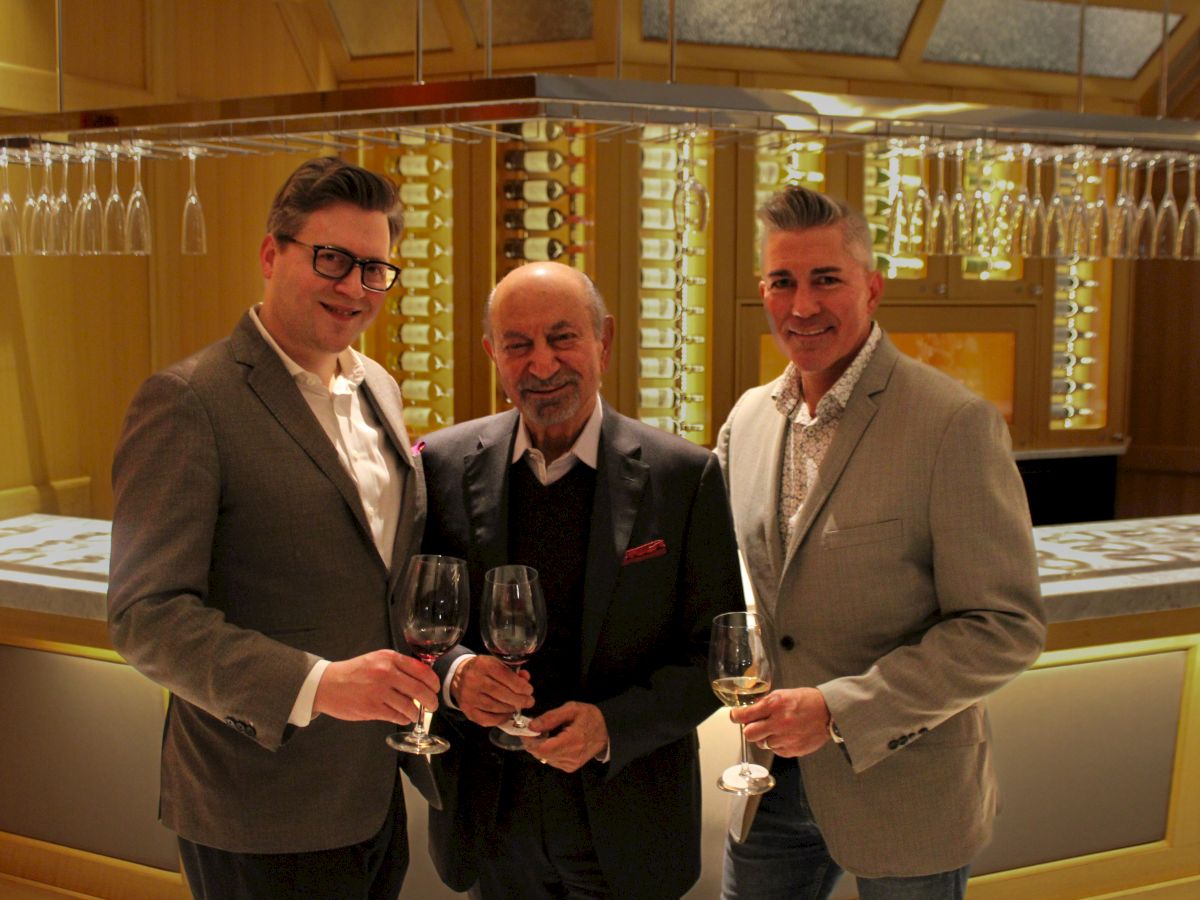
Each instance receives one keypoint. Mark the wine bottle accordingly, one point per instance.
(423, 220)
(420, 248)
(658, 218)
(665, 308)
(418, 361)
(418, 306)
(538, 249)
(534, 190)
(659, 278)
(420, 193)
(421, 277)
(664, 398)
(537, 131)
(663, 367)
(417, 165)
(422, 389)
(418, 334)
(659, 158)
(536, 161)
(534, 218)
(666, 338)
(422, 417)
(658, 188)
(671, 425)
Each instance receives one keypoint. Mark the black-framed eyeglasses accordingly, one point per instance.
(335, 264)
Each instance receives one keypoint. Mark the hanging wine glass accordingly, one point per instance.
(193, 241)
(897, 218)
(1122, 216)
(979, 212)
(38, 238)
(113, 236)
(959, 232)
(138, 236)
(1187, 237)
(1033, 238)
(1057, 215)
(921, 209)
(1166, 221)
(1005, 233)
(89, 214)
(1078, 212)
(1141, 238)
(940, 240)
(10, 216)
(1099, 224)
(62, 218)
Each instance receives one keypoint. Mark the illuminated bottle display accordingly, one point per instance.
(664, 398)
(658, 188)
(417, 165)
(420, 248)
(421, 361)
(423, 220)
(666, 338)
(664, 367)
(421, 389)
(420, 193)
(659, 158)
(421, 277)
(539, 249)
(421, 306)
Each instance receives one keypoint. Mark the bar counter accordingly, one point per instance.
(1097, 747)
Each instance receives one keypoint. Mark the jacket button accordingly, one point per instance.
(231, 722)
(893, 745)
(787, 642)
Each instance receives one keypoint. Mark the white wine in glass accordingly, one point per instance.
(435, 600)
(739, 667)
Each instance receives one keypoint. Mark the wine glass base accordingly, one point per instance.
(507, 739)
(424, 744)
(753, 780)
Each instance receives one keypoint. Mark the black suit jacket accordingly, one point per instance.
(643, 641)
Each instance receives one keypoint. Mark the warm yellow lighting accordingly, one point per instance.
(797, 123)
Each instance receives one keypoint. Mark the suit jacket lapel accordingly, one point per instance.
(620, 481)
(485, 481)
(858, 415)
(269, 379)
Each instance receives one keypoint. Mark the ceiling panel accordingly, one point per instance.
(1033, 34)
(531, 21)
(857, 27)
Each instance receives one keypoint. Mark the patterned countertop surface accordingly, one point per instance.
(59, 564)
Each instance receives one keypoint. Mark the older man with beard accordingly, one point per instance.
(630, 531)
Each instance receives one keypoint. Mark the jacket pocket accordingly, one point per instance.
(857, 535)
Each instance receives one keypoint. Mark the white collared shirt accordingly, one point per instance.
(586, 449)
(365, 453)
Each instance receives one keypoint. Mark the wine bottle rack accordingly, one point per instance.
(543, 194)
(674, 256)
(419, 317)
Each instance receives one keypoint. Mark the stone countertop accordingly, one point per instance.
(59, 564)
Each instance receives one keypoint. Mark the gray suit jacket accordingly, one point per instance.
(241, 554)
(907, 593)
(643, 644)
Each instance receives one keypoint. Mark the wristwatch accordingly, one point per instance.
(834, 734)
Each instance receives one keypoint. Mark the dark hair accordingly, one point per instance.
(799, 208)
(322, 182)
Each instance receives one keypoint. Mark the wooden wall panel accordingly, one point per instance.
(1161, 473)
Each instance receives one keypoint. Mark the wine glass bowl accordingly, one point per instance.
(113, 236)
(513, 625)
(193, 239)
(739, 668)
(435, 599)
(10, 216)
(138, 236)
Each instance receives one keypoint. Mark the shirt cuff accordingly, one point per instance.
(302, 713)
(450, 679)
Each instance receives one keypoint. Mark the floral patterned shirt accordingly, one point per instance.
(809, 435)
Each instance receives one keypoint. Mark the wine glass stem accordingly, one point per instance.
(419, 728)
(519, 719)
(745, 770)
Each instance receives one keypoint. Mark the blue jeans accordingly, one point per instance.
(784, 857)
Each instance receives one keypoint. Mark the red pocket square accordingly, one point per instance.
(645, 551)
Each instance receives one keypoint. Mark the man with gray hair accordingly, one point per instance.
(892, 553)
(266, 505)
(629, 531)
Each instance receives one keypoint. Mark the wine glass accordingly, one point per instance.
(939, 234)
(1187, 238)
(193, 241)
(1141, 239)
(113, 239)
(1166, 221)
(1099, 218)
(10, 216)
(1057, 224)
(62, 218)
(1006, 222)
(1033, 238)
(1121, 221)
(739, 667)
(921, 211)
(89, 214)
(960, 236)
(138, 238)
(434, 602)
(979, 211)
(513, 624)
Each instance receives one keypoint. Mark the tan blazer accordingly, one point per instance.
(906, 595)
(241, 553)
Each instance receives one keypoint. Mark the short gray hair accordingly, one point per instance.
(798, 208)
(597, 309)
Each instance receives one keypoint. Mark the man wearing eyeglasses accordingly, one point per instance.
(266, 502)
